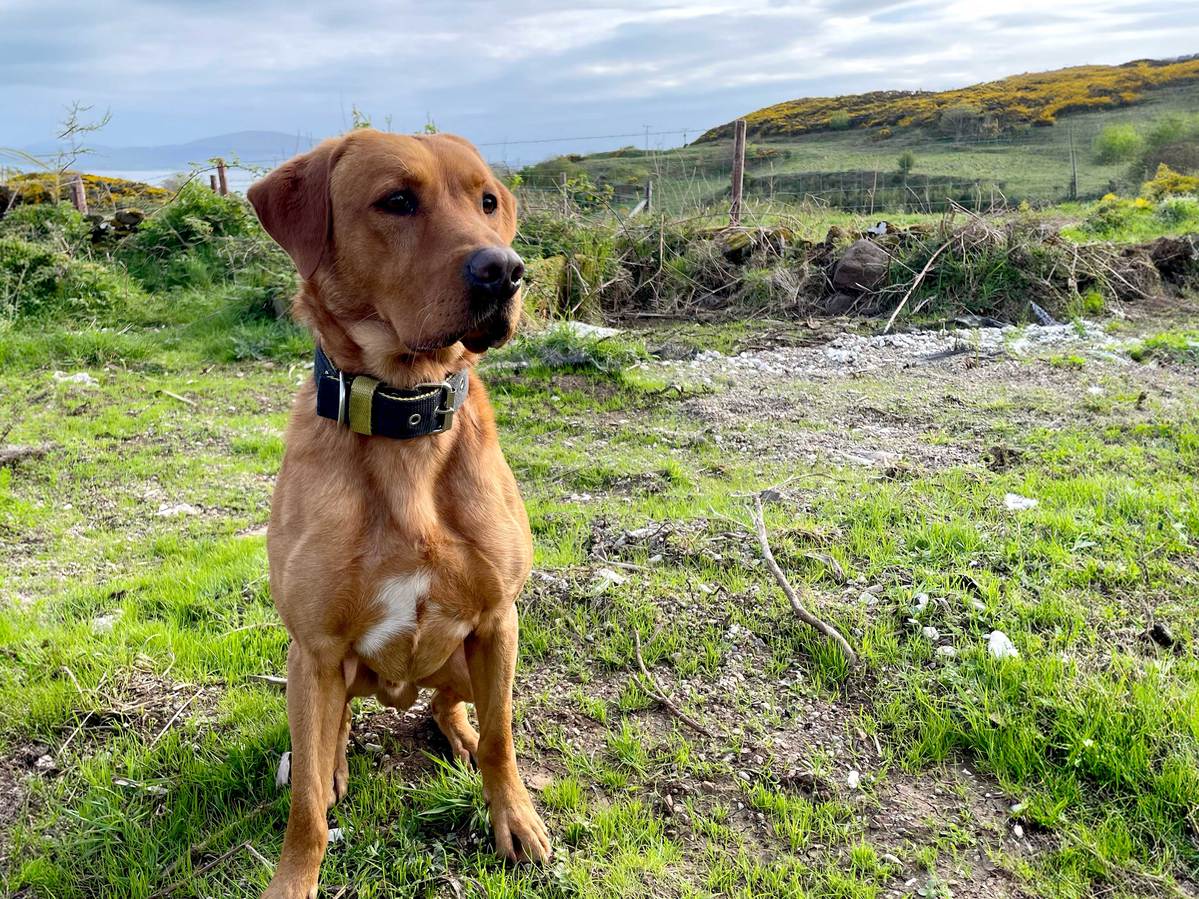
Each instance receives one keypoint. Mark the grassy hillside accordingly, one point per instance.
(1032, 164)
(1036, 98)
(144, 389)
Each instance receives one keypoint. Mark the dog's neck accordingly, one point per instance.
(371, 347)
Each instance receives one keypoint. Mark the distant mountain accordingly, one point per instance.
(264, 148)
(1035, 98)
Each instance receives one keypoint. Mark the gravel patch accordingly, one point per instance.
(848, 354)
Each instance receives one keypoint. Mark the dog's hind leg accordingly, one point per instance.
(341, 766)
(452, 692)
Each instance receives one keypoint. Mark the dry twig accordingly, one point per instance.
(796, 603)
(659, 694)
(179, 711)
(916, 283)
(176, 396)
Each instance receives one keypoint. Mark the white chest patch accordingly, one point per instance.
(398, 598)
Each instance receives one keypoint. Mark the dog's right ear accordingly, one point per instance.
(293, 205)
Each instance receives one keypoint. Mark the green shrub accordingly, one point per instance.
(1179, 210)
(38, 280)
(202, 239)
(839, 120)
(1116, 143)
(58, 224)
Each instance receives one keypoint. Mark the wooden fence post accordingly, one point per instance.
(212, 183)
(738, 171)
(649, 194)
(565, 197)
(222, 181)
(78, 195)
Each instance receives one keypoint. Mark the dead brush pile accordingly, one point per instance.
(1008, 267)
(999, 268)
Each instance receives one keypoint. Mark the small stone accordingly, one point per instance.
(105, 623)
(605, 579)
(853, 779)
(45, 763)
(171, 510)
(931, 633)
(1018, 831)
(1162, 636)
(947, 652)
(921, 601)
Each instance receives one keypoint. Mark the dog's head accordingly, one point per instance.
(403, 241)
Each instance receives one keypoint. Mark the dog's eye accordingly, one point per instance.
(400, 202)
(490, 203)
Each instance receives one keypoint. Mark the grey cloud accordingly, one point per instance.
(175, 70)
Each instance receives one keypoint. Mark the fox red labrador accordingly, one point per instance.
(398, 541)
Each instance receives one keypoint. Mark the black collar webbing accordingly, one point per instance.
(367, 406)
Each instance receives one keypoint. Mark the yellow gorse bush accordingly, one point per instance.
(1167, 182)
(1037, 98)
(102, 192)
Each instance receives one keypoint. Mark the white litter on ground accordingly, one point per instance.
(1001, 647)
(1014, 502)
(80, 377)
(283, 773)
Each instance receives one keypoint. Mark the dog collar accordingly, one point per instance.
(368, 406)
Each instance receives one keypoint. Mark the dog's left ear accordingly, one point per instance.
(293, 205)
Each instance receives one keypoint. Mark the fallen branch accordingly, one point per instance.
(659, 694)
(214, 837)
(916, 283)
(203, 869)
(796, 604)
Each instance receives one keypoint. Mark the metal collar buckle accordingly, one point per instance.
(341, 399)
(446, 410)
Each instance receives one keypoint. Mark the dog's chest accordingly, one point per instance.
(409, 631)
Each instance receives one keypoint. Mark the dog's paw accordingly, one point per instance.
(289, 888)
(520, 834)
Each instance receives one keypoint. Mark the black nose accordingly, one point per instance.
(494, 273)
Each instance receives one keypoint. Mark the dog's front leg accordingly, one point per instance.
(491, 657)
(316, 700)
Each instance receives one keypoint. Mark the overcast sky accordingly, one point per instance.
(504, 74)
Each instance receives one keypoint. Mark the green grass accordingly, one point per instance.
(129, 639)
(1180, 346)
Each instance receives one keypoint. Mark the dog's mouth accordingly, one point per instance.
(491, 331)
